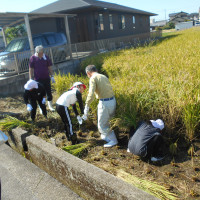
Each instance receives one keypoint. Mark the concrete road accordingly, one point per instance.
(22, 180)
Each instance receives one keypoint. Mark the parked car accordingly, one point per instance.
(15, 57)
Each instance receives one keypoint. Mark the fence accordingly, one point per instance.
(18, 62)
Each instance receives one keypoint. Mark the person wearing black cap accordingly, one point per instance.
(147, 140)
(64, 101)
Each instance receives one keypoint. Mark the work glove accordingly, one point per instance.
(80, 121)
(84, 117)
(52, 79)
(29, 107)
(43, 101)
(86, 110)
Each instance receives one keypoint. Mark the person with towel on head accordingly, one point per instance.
(40, 70)
(147, 141)
(35, 93)
(64, 101)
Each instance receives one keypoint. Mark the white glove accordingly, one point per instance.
(29, 107)
(86, 110)
(52, 79)
(43, 101)
(84, 117)
(80, 121)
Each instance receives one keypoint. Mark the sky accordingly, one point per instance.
(160, 7)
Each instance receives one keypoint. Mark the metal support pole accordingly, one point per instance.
(29, 33)
(68, 35)
(16, 64)
(4, 37)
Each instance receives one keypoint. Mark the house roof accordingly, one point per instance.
(9, 19)
(174, 14)
(74, 5)
(159, 23)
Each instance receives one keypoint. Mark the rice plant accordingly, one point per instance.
(149, 186)
(161, 80)
(10, 123)
(77, 149)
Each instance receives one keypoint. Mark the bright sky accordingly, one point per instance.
(160, 7)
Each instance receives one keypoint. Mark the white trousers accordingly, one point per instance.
(106, 110)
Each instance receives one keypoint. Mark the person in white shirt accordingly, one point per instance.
(64, 101)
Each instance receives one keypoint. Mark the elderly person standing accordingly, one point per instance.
(40, 70)
(100, 86)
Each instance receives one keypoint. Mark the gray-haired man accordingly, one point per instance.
(40, 70)
(100, 86)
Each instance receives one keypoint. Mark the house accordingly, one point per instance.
(94, 20)
(178, 15)
(154, 24)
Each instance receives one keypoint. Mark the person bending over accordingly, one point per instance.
(34, 94)
(64, 101)
(147, 140)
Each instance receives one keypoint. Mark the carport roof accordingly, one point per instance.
(9, 19)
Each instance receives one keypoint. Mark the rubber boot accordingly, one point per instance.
(50, 106)
(113, 140)
(103, 137)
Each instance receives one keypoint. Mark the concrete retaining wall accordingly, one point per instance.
(85, 179)
(88, 181)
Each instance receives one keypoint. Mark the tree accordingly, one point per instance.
(14, 32)
(169, 25)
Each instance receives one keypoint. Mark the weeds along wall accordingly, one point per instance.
(159, 80)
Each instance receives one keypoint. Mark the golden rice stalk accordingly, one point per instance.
(77, 149)
(150, 187)
(10, 123)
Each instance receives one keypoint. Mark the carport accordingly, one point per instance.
(11, 19)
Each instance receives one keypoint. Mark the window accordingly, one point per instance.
(101, 25)
(133, 21)
(111, 22)
(39, 41)
(51, 39)
(121, 22)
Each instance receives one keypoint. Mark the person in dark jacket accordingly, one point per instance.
(147, 140)
(64, 101)
(34, 93)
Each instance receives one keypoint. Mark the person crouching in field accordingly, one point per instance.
(34, 93)
(147, 140)
(64, 101)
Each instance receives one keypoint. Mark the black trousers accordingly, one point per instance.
(154, 146)
(34, 105)
(47, 86)
(64, 113)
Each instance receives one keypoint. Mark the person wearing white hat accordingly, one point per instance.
(147, 140)
(34, 93)
(64, 101)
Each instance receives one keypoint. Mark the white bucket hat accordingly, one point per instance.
(30, 85)
(158, 123)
